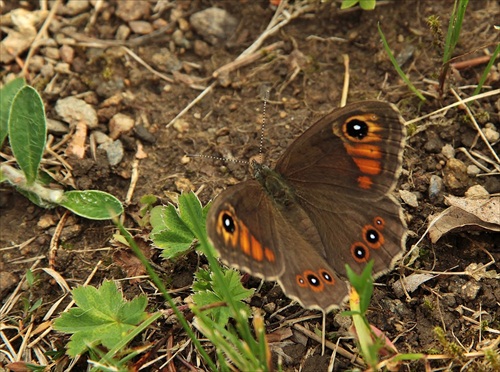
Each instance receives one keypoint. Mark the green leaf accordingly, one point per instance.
(367, 4)
(169, 231)
(102, 317)
(208, 290)
(92, 204)
(363, 4)
(191, 213)
(7, 94)
(348, 4)
(27, 131)
(174, 230)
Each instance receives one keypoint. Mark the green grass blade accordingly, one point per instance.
(487, 70)
(396, 66)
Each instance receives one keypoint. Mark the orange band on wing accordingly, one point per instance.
(368, 166)
(365, 182)
(364, 151)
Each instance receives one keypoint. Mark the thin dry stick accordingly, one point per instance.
(248, 59)
(43, 29)
(148, 67)
(470, 99)
(133, 181)
(54, 240)
(345, 89)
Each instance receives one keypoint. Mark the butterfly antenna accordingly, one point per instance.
(217, 158)
(261, 143)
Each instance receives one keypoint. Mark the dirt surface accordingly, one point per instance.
(305, 76)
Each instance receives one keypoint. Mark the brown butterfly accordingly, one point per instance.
(326, 203)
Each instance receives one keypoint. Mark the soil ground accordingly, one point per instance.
(227, 123)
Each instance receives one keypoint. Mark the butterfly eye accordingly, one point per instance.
(313, 280)
(228, 223)
(359, 252)
(372, 236)
(326, 276)
(379, 223)
(357, 129)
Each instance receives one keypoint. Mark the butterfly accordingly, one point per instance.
(326, 203)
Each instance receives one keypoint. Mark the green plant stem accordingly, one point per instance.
(18, 179)
(154, 277)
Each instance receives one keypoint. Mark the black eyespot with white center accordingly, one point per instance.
(357, 129)
(372, 236)
(313, 280)
(228, 223)
(360, 253)
(326, 276)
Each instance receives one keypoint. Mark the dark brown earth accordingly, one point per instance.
(227, 123)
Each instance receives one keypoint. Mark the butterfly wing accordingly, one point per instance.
(342, 171)
(274, 242)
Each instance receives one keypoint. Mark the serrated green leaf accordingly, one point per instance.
(169, 231)
(92, 204)
(102, 317)
(171, 243)
(191, 213)
(166, 217)
(208, 290)
(27, 131)
(7, 94)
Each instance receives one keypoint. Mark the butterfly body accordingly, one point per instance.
(326, 203)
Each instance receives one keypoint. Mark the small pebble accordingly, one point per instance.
(201, 48)
(56, 127)
(491, 134)
(143, 134)
(119, 124)
(181, 125)
(214, 24)
(114, 151)
(470, 290)
(47, 71)
(52, 53)
(435, 188)
(63, 68)
(473, 170)
(141, 27)
(455, 174)
(476, 191)
(67, 53)
(73, 110)
(409, 198)
(74, 7)
(123, 32)
(132, 10)
(433, 143)
(448, 151)
(100, 137)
